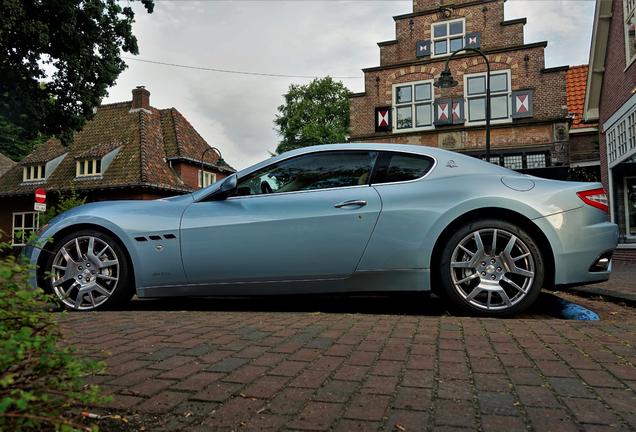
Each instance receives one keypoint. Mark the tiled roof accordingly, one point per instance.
(46, 152)
(576, 81)
(146, 137)
(5, 164)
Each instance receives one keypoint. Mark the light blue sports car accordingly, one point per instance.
(344, 218)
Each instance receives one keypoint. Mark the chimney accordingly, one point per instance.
(141, 99)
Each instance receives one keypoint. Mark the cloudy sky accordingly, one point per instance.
(296, 38)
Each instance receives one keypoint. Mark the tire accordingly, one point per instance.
(492, 268)
(88, 270)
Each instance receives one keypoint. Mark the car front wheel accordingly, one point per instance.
(492, 268)
(88, 270)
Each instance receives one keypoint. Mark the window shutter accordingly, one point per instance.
(472, 40)
(522, 105)
(457, 111)
(443, 115)
(383, 119)
(424, 48)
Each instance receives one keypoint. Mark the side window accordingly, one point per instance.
(330, 169)
(400, 167)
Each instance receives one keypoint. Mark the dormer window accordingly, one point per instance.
(447, 37)
(34, 173)
(89, 167)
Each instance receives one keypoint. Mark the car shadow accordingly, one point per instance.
(420, 304)
(391, 304)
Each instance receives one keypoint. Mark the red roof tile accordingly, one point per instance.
(576, 82)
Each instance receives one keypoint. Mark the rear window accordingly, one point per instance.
(401, 167)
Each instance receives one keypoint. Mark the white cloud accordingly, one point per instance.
(311, 38)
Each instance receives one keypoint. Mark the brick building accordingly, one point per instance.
(610, 100)
(585, 162)
(130, 150)
(529, 116)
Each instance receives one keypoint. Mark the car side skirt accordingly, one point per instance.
(389, 280)
(321, 286)
(360, 281)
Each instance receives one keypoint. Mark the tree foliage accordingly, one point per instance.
(313, 114)
(73, 47)
(40, 375)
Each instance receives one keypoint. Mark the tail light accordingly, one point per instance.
(596, 198)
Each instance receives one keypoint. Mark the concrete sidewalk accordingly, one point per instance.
(246, 371)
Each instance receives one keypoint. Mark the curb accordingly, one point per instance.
(626, 299)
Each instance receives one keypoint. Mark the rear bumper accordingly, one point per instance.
(578, 241)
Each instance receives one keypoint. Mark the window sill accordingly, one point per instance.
(97, 177)
(32, 182)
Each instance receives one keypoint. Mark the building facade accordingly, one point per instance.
(130, 150)
(610, 100)
(529, 115)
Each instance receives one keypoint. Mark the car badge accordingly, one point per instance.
(451, 164)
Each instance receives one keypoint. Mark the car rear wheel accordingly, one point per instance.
(492, 268)
(89, 271)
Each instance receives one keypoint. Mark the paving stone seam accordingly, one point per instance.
(562, 399)
(436, 375)
(361, 383)
(591, 388)
(291, 418)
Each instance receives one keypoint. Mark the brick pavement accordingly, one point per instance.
(204, 371)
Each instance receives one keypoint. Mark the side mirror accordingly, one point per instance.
(229, 184)
(228, 188)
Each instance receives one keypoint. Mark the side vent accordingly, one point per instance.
(169, 236)
(141, 239)
(154, 237)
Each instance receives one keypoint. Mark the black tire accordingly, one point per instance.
(493, 283)
(97, 277)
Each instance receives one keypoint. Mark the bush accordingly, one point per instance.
(39, 378)
(66, 201)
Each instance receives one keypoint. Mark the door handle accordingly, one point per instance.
(351, 203)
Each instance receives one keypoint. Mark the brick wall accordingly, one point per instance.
(411, 28)
(616, 89)
(189, 173)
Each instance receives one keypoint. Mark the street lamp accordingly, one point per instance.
(219, 162)
(446, 82)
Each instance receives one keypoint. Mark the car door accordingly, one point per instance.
(307, 217)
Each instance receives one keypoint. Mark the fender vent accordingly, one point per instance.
(169, 236)
(154, 237)
(141, 239)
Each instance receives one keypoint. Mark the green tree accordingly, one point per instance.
(79, 43)
(316, 113)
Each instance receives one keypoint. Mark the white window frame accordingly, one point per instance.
(468, 98)
(413, 104)
(448, 37)
(85, 164)
(32, 173)
(621, 139)
(208, 178)
(17, 229)
(629, 10)
(627, 226)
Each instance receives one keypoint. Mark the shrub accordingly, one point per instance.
(66, 201)
(39, 376)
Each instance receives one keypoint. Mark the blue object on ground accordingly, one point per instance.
(567, 310)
